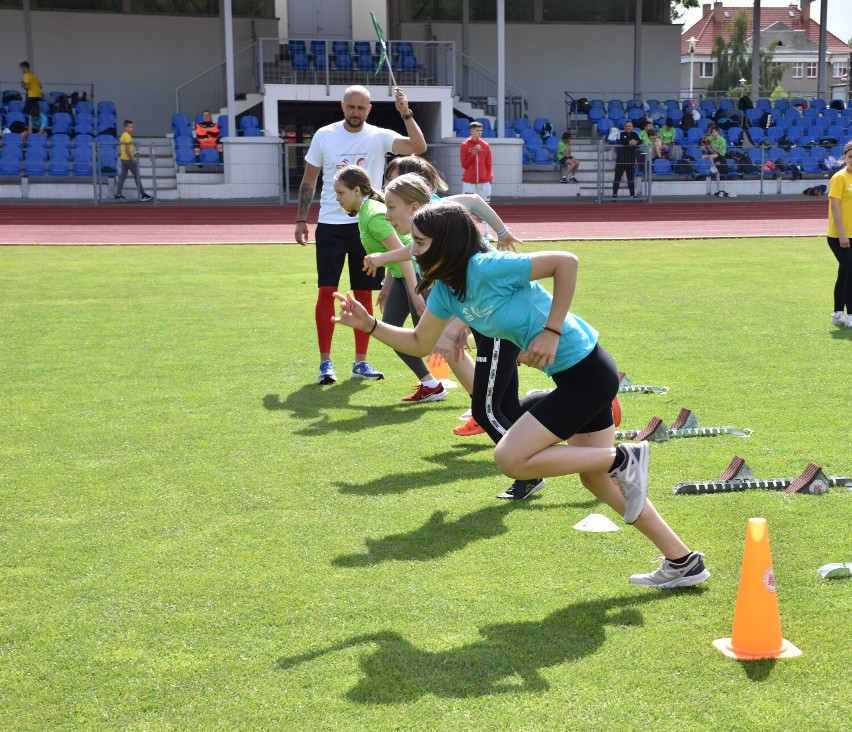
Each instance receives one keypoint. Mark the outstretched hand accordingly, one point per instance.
(352, 312)
(507, 242)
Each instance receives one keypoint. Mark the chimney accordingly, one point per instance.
(717, 12)
(806, 13)
(705, 10)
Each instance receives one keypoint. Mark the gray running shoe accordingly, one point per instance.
(632, 478)
(667, 576)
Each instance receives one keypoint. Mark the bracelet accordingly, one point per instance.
(503, 232)
(375, 323)
(301, 221)
(553, 330)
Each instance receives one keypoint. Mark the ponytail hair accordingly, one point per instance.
(354, 177)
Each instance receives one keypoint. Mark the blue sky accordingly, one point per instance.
(839, 13)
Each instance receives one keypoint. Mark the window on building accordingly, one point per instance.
(482, 10)
(811, 70)
(798, 70)
(839, 69)
(706, 69)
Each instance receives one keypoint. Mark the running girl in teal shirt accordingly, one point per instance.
(498, 294)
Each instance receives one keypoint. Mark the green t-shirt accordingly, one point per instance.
(374, 228)
(563, 150)
(720, 147)
(667, 135)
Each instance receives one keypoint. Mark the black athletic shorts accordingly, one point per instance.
(582, 399)
(334, 243)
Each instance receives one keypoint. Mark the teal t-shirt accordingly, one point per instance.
(374, 228)
(502, 302)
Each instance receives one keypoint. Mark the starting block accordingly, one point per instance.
(686, 425)
(625, 386)
(739, 477)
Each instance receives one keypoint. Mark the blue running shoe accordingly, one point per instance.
(327, 375)
(363, 370)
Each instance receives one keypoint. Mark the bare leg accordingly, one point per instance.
(530, 450)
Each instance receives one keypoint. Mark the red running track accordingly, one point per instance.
(236, 224)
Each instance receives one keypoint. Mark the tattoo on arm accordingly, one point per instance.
(306, 197)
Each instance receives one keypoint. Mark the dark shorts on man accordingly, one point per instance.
(336, 242)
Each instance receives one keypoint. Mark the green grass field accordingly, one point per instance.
(194, 536)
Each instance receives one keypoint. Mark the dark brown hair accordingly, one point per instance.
(455, 239)
(416, 164)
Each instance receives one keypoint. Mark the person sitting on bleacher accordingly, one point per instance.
(207, 134)
(36, 122)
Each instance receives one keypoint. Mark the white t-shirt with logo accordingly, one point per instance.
(333, 148)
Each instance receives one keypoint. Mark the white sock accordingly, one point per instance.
(431, 383)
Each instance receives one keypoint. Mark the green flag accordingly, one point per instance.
(384, 54)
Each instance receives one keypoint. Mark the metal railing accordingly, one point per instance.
(208, 91)
(478, 85)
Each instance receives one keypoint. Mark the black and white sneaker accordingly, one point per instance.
(521, 489)
(670, 575)
(632, 478)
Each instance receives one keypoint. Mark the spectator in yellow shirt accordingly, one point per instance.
(128, 163)
(30, 84)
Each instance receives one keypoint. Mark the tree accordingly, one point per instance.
(733, 61)
(678, 6)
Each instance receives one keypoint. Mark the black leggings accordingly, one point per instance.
(494, 403)
(620, 170)
(843, 285)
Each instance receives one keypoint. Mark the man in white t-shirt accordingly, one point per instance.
(349, 142)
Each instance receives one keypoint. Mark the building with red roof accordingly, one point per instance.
(797, 33)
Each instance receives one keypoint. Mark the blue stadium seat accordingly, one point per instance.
(62, 123)
(702, 167)
(522, 123)
(15, 105)
(35, 167)
(84, 108)
(359, 47)
(59, 166)
(541, 156)
(108, 154)
(106, 124)
(250, 126)
(84, 124)
(10, 166)
(366, 63)
(338, 47)
(223, 125)
(299, 62)
(209, 156)
(319, 55)
(403, 48)
(106, 107)
(83, 167)
(662, 168)
(757, 135)
(693, 135)
(539, 123)
(184, 155)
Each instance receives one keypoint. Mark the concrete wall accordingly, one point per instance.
(584, 59)
(136, 61)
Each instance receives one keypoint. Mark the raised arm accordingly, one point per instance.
(373, 261)
(415, 143)
(306, 197)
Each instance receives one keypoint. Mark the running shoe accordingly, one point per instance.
(146, 197)
(521, 489)
(849, 321)
(563, 179)
(632, 478)
(363, 370)
(572, 179)
(670, 575)
(425, 393)
(838, 318)
(468, 429)
(326, 375)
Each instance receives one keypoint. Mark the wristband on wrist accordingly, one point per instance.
(503, 232)
(301, 221)
(553, 330)
(375, 323)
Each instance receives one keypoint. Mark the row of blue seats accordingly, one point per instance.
(461, 126)
(45, 107)
(360, 58)
(61, 157)
(64, 123)
(249, 126)
(708, 107)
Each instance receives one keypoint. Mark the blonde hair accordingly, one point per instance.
(354, 177)
(410, 188)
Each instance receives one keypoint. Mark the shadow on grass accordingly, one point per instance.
(311, 402)
(451, 466)
(438, 538)
(758, 670)
(842, 334)
(506, 660)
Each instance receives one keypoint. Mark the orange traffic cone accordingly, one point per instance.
(757, 624)
(438, 366)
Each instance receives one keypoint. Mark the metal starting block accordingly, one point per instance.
(625, 386)
(739, 477)
(686, 425)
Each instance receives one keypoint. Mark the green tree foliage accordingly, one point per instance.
(679, 6)
(733, 61)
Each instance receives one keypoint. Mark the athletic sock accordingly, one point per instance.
(362, 339)
(620, 457)
(324, 312)
(681, 561)
(431, 383)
